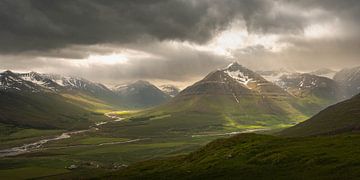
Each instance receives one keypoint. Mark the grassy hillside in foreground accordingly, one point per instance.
(341, 117)
(252, 156)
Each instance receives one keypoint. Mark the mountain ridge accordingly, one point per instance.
(230, 99)
(70, 85)
(338, 118)
(141, 94)
(306, 84)
(349, 78)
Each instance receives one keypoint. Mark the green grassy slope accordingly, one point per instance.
(92, 158)
(206, 114)
(12, 136)
(251, 156)
(342, 117)
(88, 102)
(43, 111)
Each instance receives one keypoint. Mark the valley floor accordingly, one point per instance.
(111, 144)
(101, 149)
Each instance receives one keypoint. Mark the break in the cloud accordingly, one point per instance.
(175, 40)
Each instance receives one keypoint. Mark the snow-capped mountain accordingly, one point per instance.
(325, 72)
(36, 82)
(252, 80)
(50, 83)
(10, 81)
(170, 90)
(77, 83)
(349, 78)
(302, 85)
(238, 96)
(57, 83)
(140, 94)
(240, 74)
(235, 80)
(230, 97)
(42, 80)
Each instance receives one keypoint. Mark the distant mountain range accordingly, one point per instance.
(236, 98)
(239, 82)
(138, 94)
(235, 80)
(54, 101)
(305, 85)
(274, 75)
(325, 72)
(226, 99)
(349, 78)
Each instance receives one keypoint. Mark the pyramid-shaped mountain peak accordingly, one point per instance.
(235, 80)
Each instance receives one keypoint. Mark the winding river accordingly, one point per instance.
(38, 144)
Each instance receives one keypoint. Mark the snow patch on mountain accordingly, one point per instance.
(12, 81)
(36, 82)
(170, 90)
(239, 76)
(39, 79)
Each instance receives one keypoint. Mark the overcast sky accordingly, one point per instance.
(176, 41)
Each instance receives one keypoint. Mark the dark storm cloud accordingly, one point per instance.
(306, 56)
(47, 24)
(168, 61)
(343, 5)
(35, 34)
(181, 67)
(347, 10)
